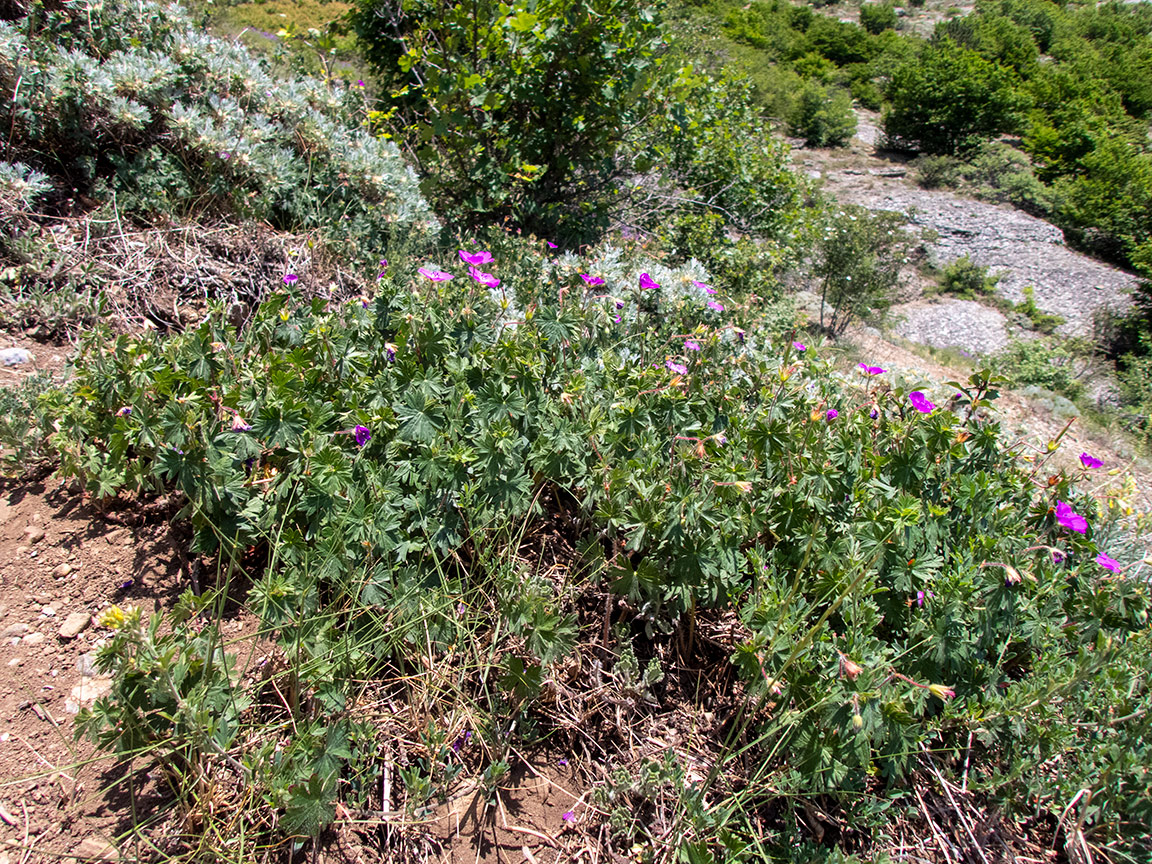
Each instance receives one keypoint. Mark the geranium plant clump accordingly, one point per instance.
(701, 465)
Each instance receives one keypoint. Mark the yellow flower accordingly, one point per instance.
(113, 618)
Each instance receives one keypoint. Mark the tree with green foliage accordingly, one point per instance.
(947, 99)
(877, 17)
(857, 262)
(823, 118)
(515, 109)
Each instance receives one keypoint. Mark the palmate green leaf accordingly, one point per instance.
(419, 417)
(311, 806)
(280, 425)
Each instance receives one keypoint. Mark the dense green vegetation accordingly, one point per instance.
(1070, 81)
(508, 460)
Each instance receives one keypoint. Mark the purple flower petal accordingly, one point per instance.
(1108, 563)
(871, 370)
(476, 258)
(434, 274)
(831, 414)
(920, 402)
(124, 411)
(360, 83)
(289, 278)
(569, 816)
(593, 281)
(919, 598)
(692, 346)
(648, 283)
(552, 245)
(712, 304)
(1090, 461)
(486, 279)
(799, 346)
(363, 435)
(1069, 518)
(678, 368)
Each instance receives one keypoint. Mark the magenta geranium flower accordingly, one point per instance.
(592, 281)
(1069, 518)
(832, 414)
(712, 304)
(692, 346)
(289, 278)
(1108, 563)
(552, 245)
(648, 283)
(920, 402)
(475, 258)
(678, 368)
(486, 279)
(434, 274)
(363, 435)
(570, 816)
(1090, 461)
(871, 370)
(799, 346)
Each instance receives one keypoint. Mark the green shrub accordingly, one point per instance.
(1036, 362)
(134, 105)
(948, 99)
(878, 17)
(934, 172)
(1042, 321)
(515, 110)
(821, 118)
(965, 278)
(858, 259)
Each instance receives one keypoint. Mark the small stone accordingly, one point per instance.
(34, 533)
(71, 707)
(90, 689)
(15, 356)
(94, 849)
(17, 629)
(86, 665)
(74, 625)
(47, 611)
(16, 661)
(33, 639)
(62, 571)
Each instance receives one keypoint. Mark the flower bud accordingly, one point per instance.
(941, 692)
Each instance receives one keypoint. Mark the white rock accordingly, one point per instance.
(17, 629)
(33, 639)
(86, 665)
(34, 533)
(90, 689)
(15, 356)
(62, 571)
(74, 625)
(47, 611)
